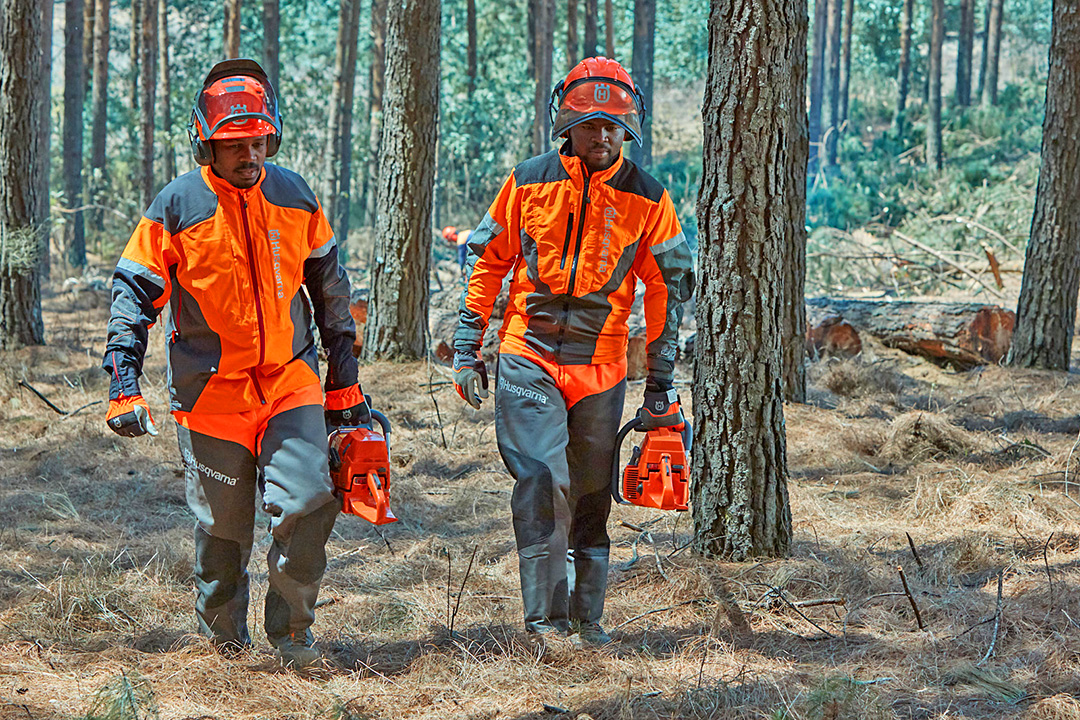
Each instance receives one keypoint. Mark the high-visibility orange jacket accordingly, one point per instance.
(230, 264)
(577, 244)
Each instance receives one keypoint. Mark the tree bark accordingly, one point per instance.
(817, 81)
(609, 29)
(542, 27)
(740, 499)
(592, 10)
(471, 64)
(339, 151)
(169, 150)
(571, 34)
(148, 82)
(99, 107)
(1046, 312)
(88, 44)
(232, 28)
(271, 41)
(642, 72)
(45, 139)
(845, 59)
(23, 162)
(793, 279)
(934, 154)
(993, 52)
(133, 120)
(985, 47)
(964, 52)
(74, 88)
(903, 73)
(376, 84)
(398, 303)
(832, 80)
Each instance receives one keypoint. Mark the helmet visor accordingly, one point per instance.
(598, 97)
(236, 107)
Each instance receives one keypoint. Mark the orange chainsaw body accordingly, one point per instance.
(657, 475)
(360, 470)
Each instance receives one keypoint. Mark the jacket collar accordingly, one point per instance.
(575, 166)
(222, 186)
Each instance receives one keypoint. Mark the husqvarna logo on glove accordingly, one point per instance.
(659, 405)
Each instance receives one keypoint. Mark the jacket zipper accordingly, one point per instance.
(569, 236)
(255, 292)
(580, 232)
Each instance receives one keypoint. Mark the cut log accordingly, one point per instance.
(636, 360)
(963, 335)
(358, 310)
(834, 337)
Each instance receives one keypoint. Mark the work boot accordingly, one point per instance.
(588, 634)
(296, 650)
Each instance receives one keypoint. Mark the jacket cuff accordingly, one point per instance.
(344, 398)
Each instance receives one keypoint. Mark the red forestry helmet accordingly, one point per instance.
(236, 101)
(596, 87)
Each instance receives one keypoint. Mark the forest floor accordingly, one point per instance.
(962, 479)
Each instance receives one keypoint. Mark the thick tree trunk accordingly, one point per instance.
(74, 236)
(817, 81)
(1046, 312)
(609, 29)
(903, 73)
(571, 34)
(44, 140)
(934, 153)
(831, 131)
(148, 81)
(99, 107)
(642, 72)
(376, 83)
(232, 28)
(88, 44)
(961, 334)
(398, 304)
(271, 41)
(592, 10)
(471, 64)
(24, 159)
(845, 59)
(964, 51)
(985, 47)
(993, 52)
(793, 272)
(132, 121)
(164, 87)
(740, 499)
(542, 29)
(339, 152)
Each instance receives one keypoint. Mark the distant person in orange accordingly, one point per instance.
(576, 229)
(460, 239)
(230, 248)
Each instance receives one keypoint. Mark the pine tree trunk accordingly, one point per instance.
(168, 151)
(339, 152)
(993, 52)
(74, 236)
(834, 26)
(933, 119)
(542, 24)
(985, 47)
(376, 84)
(571, 34)
(232, 28)
(1046, 312)
(45, 140)
(964, 49)
(817, 81)
(903, 74)
(271, 41)
(88, 44)
(23, 161)
(609, 29)
(134, 57)
(740, 499)
(99, 108)
(793, 272)
(845, 59)
(148, 81)
(471, 64)
(591, 22)
(642, 72)
(398, 304)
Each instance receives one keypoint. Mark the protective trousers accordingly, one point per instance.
(278, 450)
(556, 428)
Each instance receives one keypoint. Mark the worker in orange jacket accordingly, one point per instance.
(576, 228)
(230, 248)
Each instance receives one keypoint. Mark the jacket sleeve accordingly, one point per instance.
(492, 253)
(140, 289)
(328, 286)
(666, 266)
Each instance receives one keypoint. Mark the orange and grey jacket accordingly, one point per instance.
(577, 244)
(230, 264)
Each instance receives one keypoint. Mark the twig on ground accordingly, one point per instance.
(658, 610)
(438, 414)
(379, 533)
(910, 597)
(1046, 562)
(81, 408)
(461, 590)
(997, 620)
(914, 552)
(449, 568)
(31, 388)
(780, 594)
(819, 602)
(927, 249)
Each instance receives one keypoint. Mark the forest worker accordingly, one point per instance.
(460, 240)
(577, 227)
(227, 248)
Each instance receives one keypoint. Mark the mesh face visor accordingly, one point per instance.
(236, 107)
(593, 97)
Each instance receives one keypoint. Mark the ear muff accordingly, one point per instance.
(201, 149)
(273, 141)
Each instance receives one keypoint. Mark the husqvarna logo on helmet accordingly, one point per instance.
(236, 110)
(601, 92)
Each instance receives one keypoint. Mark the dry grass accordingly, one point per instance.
(95, 571)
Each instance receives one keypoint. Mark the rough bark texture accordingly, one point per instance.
(232, 28)
(271, 41)
(88, 44)
(817, 80)
(148, 82)
(168, 152)
(740, 499)
(98, 106)
(964, 51)
(592, 10)
(831, 127)
(642, 72)
(903, 73)
(961, 334)
(74, 91)
(398, 303)
(134, 40)
(339, 152)
(933, 119)
(845, 59)
(376, 84)
(471, 64)
(985, 45)
(541, 44)
(571, 34)
(609, 29)
(1046, 312)
(793, 282)
(993, 52)
(45, 139)
(23, 161)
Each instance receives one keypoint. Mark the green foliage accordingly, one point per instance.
(127, 697)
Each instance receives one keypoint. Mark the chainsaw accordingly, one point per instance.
(657, 475)
(360, 469)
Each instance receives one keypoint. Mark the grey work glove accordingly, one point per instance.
(470, 378)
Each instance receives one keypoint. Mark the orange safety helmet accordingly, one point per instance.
(449, 233)
(236, 101)
(596, 87)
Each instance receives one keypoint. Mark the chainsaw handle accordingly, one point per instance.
(616, 494)
(383, 423)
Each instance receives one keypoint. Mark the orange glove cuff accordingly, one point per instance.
(344, 398)
(126, 404)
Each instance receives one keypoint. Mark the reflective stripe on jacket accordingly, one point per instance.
(576, 245)
(230, 264)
